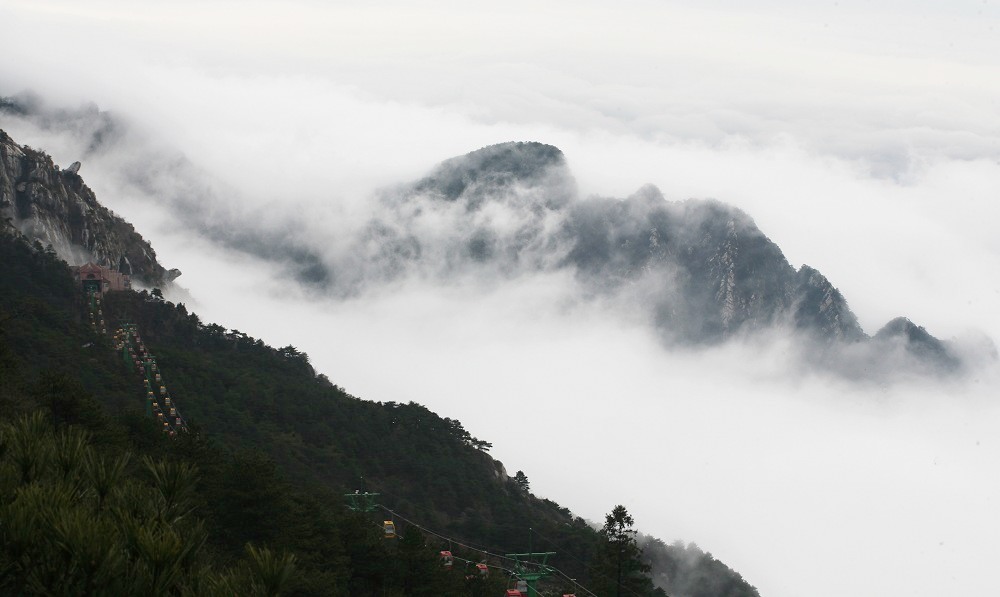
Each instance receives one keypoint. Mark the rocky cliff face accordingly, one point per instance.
(715, 272)
(702, 270)
(706, 269)
(55, 207)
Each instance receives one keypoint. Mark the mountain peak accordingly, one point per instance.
(649, 193)
(497, 170)
(915, 341)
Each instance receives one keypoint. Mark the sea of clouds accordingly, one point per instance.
(246, 139)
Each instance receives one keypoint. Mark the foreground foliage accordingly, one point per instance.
(75, 520)
(97, 501)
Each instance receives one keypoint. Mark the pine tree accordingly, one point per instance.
(521, 480)
(617, 568)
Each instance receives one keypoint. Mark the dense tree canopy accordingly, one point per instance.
(251, 500)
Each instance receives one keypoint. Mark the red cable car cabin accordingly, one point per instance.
(483, 569)
(447, 560)
(512, 593)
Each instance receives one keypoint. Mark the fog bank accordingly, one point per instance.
(862, 137)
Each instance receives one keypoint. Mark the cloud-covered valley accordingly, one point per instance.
(274, 169)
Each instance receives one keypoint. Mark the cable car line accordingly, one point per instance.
(487, 553)
(448, 539)
(553, 543)
(467, 561)
(563, 574)
(468, 544)
(127, 340)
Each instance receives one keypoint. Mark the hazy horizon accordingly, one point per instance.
(863, 138)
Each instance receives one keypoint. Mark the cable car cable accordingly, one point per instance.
(450, 540)
(511, 572)
(578, 560)
(467, 544)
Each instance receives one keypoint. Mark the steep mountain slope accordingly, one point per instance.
(260, 407)
(715, 273)
(55, 207)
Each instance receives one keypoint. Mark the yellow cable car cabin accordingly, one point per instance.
(389, 528)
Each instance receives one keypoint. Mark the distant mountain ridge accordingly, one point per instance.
(720, 273)
(701, 270)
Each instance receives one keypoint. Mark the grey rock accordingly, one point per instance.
(62, 211)
(701, 269)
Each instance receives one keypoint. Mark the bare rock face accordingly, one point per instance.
(56, 208)
(701, 269)
(913, 342)
(714, 273)
(820, 307)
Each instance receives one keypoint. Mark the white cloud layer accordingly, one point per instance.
(863, 138)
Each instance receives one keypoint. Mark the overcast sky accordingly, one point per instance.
(863, 137)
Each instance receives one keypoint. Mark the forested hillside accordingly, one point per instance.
(256, 502)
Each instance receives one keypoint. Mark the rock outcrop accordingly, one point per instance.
(56, 208)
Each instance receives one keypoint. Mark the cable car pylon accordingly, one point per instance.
(361, 502)
(529, 568)
(526, 568)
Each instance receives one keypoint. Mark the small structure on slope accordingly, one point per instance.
(99, 279)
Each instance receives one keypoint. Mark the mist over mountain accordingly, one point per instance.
(700, 272)
(144, 168)
(267, 150)
(267, 414)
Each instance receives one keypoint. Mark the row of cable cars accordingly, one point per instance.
(521, 590)
(128, 339)
(448, 562)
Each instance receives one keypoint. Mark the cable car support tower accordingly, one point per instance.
(531, 567)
